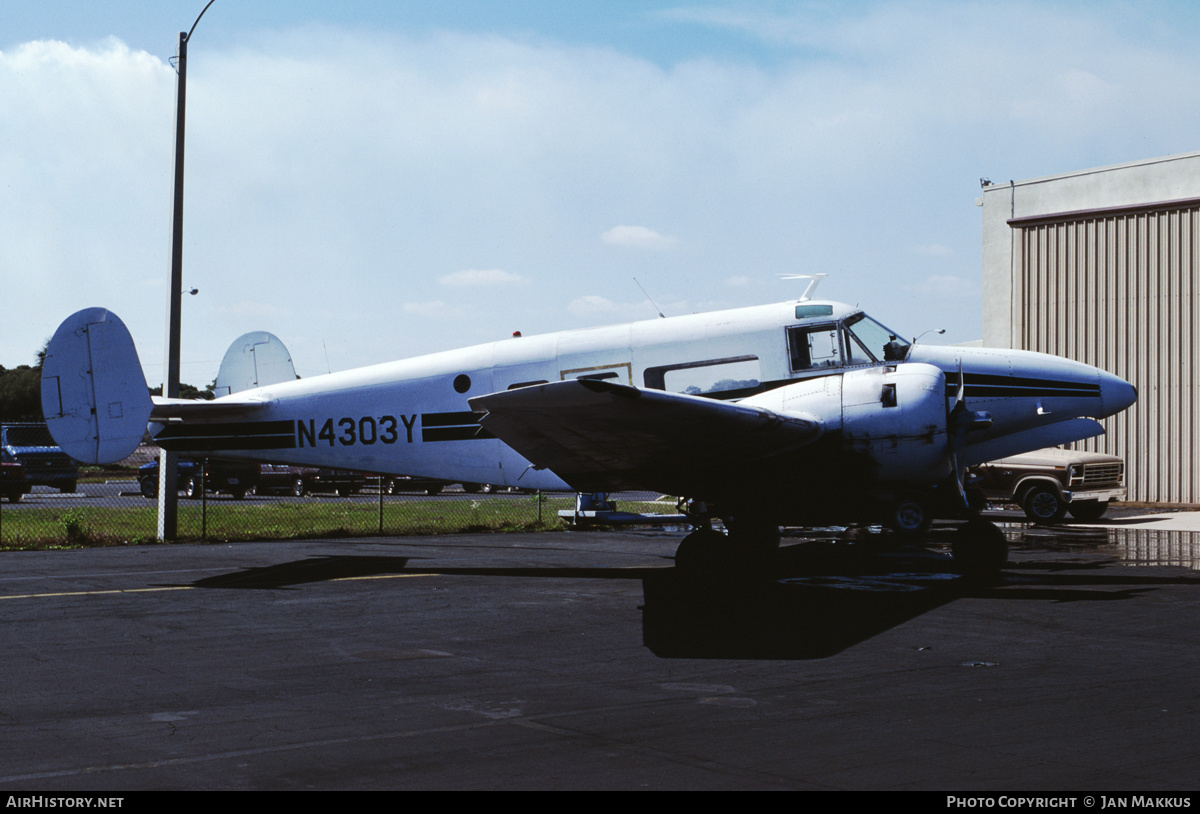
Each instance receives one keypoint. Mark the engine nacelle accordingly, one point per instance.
(897, 416)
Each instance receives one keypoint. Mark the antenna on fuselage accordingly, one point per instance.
(652, 302)
(814, 281)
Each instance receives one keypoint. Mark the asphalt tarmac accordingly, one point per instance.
(582, 660)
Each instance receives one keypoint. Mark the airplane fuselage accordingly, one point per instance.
(819, 359)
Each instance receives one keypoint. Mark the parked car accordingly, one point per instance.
(342, 482)
(391, 484)
(234, 478)
(12, 477)
(1047, 483)
(491, 488)
(280, 478)
(44, 461)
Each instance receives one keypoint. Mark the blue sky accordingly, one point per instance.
(376, 180)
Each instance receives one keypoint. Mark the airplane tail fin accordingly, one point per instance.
(94, 395)
(256, 359)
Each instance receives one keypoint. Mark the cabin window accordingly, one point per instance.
(731, 377)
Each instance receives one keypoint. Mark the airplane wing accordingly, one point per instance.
(600, 436)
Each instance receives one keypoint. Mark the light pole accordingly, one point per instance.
(168, 495)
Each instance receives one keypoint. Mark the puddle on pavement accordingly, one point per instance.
(1131, 546)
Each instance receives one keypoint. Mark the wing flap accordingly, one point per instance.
(597, 435)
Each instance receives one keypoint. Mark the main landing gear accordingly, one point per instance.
(979, 548)
(749, 544)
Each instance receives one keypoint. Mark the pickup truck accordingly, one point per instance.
(45, 463)
(1048, 483)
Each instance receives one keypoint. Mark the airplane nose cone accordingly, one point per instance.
(1116, 393)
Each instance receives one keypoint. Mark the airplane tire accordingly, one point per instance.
(752, 538)
(979, 548)
(1088, 510)
(1043, 505)
(910, 516)
(701, 552)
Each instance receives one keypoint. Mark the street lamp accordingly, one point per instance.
(168, 496)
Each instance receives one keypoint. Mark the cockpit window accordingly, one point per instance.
(868, 335)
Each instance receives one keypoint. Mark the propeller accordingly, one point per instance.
(960, 422)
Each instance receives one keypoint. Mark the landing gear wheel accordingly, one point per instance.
(1088, 510)
(910, 516)
(755, 537)
(979, 548)
(704, 551)
(1043, 505)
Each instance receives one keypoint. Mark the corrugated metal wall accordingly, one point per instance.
(1113, 288)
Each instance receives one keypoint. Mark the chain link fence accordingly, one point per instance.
(221, 501)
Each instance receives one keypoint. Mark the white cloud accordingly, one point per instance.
(591, 305)
(595, 309)
(947, 286)
(435, 309)
(637, 237)
(933, 250)
(478, 277)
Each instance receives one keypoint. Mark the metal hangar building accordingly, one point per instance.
(1103, 266)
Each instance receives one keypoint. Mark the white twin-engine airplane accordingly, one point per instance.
(804, 412)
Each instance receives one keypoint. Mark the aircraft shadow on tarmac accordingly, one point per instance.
(815, 600)
(807, 612)
(300, 572)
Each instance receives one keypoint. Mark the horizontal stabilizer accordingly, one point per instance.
(256, 359)
(597, 435)
(165, 409)
(94, 396)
